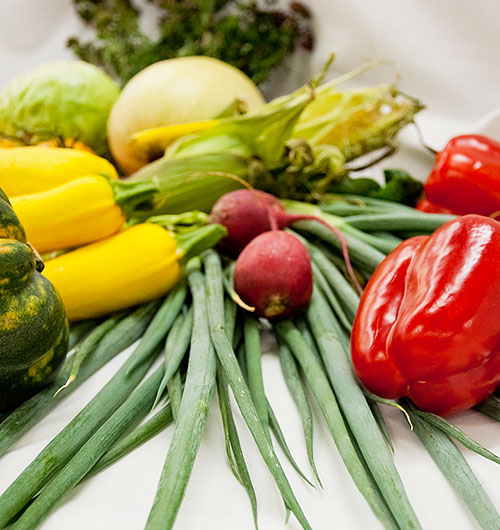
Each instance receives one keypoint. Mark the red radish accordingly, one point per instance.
(245, 214)
(248, 213)
(273, 274)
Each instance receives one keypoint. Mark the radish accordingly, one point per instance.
(247, 213)
(273, 275)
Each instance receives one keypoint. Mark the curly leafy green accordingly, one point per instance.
(252, 38)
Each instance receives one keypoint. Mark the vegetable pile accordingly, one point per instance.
(250, 220)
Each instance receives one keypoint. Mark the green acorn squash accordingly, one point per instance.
(33, 324)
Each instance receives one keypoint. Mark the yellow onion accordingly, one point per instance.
(188, 92)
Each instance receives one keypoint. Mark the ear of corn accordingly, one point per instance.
(295, 146)
(31, 169)
(159, 138)
(356, 121)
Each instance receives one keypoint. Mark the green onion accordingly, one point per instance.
(65, 445)
(240, 390)
(301, 323)
(399, 222)
(78, 330)
(389, 236)
(256, 386)
(296, 388)
(126, 332)
(224, 407)
(176, 346)
(232, 441)
(136, 438)
(233, 446)
(85, 348)
(280, 438)
(360, 252)
(454, 432)
(162, 321)
(382, 425)
(357, 411)
(329, 407)
(362, 246)
(345, 204)
(489, 406)
(171, 339)
(196, 398)
(338, 283)
(455, 468)
(134, 407)
(322, 283)
(174, 390)
(254, 369)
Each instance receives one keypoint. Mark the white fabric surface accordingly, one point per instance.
(446, 54)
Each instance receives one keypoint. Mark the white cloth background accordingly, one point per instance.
(445, 53)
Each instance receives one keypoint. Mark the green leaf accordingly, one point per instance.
(355, 186)
(400, 187)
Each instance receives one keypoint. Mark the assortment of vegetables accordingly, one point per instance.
(134, 259)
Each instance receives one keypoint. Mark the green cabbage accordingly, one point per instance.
(62, 99)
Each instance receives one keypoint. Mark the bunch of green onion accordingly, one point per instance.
(313, 351)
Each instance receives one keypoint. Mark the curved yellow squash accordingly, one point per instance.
(31, 169)
(71, 215)
(129, 268)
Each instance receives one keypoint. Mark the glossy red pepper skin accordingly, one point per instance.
(428, 325)
(427, 206)
(466, 176)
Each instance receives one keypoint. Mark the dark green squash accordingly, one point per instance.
(33, 325)
(10, 226)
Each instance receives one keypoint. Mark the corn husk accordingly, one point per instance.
(295, 146)
(356, 121)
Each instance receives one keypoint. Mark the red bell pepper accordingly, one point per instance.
(429, 207)
(466, 176)
(428, 325)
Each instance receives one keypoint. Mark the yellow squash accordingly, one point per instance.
(71, 215)
(129, 268)
(31, 169)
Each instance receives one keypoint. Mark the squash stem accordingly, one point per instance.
(128, 195)
(195, 242)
